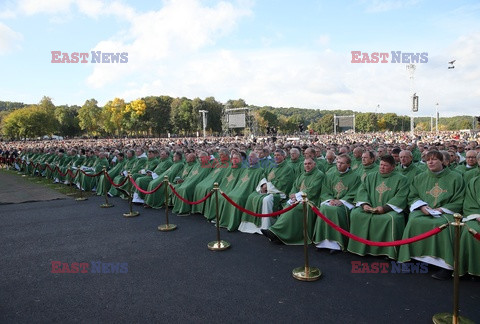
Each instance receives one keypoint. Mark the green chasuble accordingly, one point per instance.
(231, 177)
(282, 178)
(103, 185)
(289, 226)
(410, 172)
(469, 246)
(230, 216)
(341, 186)
(297, 167)
(324, 165)
(439, 190)
(379, 190)
(187, 188)
(468, 173)
(206, 185)
(127, 166)
(158, 167)
(363, 171)
(356, 163)
(157, 199)
(86, 182)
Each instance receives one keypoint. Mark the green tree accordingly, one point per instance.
(366, 122)
(67, 118)
(89, 117)
(157, 114)
(181, 116)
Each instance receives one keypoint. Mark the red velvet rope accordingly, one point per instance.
(374, 243)
(91, 175)
(71, 173)
(477, 236)
(144, 191)
(113, 183)
(60, 172)
(190, 202)
(257, 214)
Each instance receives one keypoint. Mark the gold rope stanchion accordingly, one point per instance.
(306, 273)
(82, 197)
(166, 227)
(106, 204)
(131, 213)
(442, 318)
(217, 245)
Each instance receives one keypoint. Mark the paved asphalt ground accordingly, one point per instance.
(173, 277)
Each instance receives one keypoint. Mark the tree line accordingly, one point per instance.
(160, 116)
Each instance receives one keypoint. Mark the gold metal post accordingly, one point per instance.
(166, 227)
(217, 245)
(442, 318)
(306, 273)
(131, 213)
(106, 204)
(81, 198)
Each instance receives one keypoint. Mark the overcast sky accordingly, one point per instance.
(267, 52)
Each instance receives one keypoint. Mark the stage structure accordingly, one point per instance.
(239, 118)
(343, 123)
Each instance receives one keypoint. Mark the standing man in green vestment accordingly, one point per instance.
(289, 226)
(469, 246)
(270, 191)
(435, 195)
(406, 166)
(380, 202)
(338, 192)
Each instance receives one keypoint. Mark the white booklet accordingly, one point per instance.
(471, 217)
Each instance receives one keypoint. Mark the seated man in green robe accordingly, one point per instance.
(469, 246)
(270, 192)
(367, 166)
(380, 202)
(338, 192)
(288, 228)
(435, 195)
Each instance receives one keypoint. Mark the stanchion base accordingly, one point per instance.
(106, 205)
(442, 318)
(131, 214)
(81, 198)
(218, 245)
(306, 274)
(167, 227)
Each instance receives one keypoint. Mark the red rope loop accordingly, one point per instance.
(145, 191)
(258, 214)
(187, 201)
(91, 175)
(374, 243)
(113, 183)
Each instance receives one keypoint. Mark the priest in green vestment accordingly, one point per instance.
(367, 166)
(357, 158)
(270, 192)
(230, 217)
(289, 226)
(157, 199)
(406, 166)
(338, 193)
(88, 183)
(219, 168)
(103, 185)
(380, 202)
(187, 188)
(231, 177)
(151, 174)
(435, 195)
(469, 246)
(127, 166)
(329, 162)
(295, 162)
